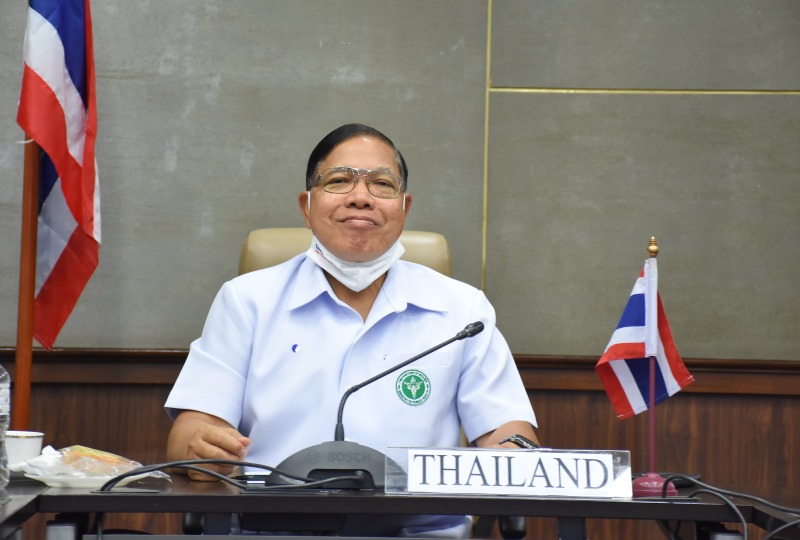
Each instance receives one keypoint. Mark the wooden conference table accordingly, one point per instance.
(217, 500)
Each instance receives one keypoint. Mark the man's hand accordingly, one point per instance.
(196, 435)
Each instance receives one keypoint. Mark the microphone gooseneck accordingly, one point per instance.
(470, 330)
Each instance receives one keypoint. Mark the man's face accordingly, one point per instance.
(356, 226)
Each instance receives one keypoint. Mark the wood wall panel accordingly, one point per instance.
(737, 425)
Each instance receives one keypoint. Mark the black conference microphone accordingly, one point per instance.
(338, 457)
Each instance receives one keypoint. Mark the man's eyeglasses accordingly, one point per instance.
(381, 183)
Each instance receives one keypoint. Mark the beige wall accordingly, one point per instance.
(597, 126)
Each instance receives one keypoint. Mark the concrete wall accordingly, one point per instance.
(596, 126)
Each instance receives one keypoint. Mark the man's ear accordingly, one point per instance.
(304, 202)
(406, 203)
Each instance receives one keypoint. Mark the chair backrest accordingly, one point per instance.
(267, 247)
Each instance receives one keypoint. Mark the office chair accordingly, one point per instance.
(263, 248)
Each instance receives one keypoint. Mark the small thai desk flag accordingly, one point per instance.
(57, 110)
(642, 332)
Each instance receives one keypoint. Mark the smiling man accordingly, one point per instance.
(281, 345)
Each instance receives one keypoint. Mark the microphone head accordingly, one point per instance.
(472, 329)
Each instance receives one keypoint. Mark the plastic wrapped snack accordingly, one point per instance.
(90, 462)
(79, 462)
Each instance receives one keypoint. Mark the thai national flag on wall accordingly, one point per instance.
(642, 332)
(57, 110)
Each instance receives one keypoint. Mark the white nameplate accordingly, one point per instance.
(559, 473)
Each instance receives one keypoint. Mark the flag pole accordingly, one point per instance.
(20, 409)
(651, 484)
(651, 417)
(652, 249)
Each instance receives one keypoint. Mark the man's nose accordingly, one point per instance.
(361, 184)
(360, 193)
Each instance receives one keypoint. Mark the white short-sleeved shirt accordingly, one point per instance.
(278, 351)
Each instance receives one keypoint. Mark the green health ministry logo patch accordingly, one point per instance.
(413, 387)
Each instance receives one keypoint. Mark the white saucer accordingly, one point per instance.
(88, 482)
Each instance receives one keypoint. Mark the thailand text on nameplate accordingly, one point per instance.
(531, 473)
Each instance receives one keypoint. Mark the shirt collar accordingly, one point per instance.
(309, 283)
(402, 288)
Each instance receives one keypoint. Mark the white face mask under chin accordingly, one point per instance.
(356, 276)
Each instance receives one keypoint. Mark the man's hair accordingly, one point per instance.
(340, 135)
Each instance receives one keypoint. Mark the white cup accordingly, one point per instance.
(22, 446)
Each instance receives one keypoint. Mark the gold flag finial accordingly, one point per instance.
(652, 247)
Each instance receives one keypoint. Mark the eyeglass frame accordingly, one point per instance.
(358, 173)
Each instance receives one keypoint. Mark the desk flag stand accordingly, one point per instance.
(651, 484)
